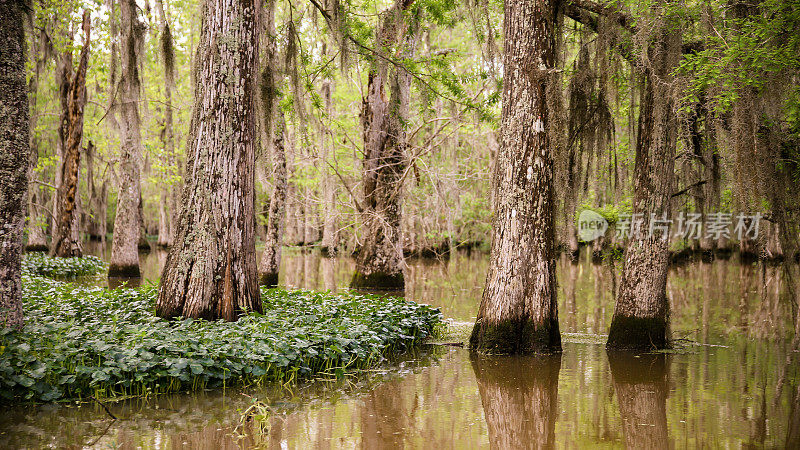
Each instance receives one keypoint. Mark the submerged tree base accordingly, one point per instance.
(380, 281)
(123, 271)
(516, 337)
(637, 334)
(268, 279)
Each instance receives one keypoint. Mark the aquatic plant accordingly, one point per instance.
(80, 342)
(38, 263)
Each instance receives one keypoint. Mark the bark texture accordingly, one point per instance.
(127, 223)
(210, 271)
(270, 263)
(520, 399)
(519, 311)
(641, 314)
(14, 156)
(379, 264)
(275, 134)
(66, 242)
(640, 382)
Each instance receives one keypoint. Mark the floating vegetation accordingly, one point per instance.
(80, 342)
(38, 263)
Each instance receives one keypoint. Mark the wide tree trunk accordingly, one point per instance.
(379, 264)
(14, 157)
(640, 382)
(66, 241)
(519, 309)
(520, 399)
(127, 222)
(641, 314)
(210, 271)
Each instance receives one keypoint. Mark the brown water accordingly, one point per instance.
(739, 389)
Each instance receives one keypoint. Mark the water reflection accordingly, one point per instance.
(739, 389)
(520, 399)
(640, 383)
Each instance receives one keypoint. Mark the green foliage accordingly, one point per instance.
(746, 53)
(38, 263)
(90, 341)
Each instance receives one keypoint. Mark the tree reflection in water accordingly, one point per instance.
(640, 382)
(520, 398)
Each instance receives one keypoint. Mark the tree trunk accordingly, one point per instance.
(520, 399)
(329, 239)
(166, 205)
(379, 264)
(274, 133)
(271, 257)
(127, 223)
(641, 314)
(37, 237)
(14, 159)
(640, 382)
(519, 309)
(66, 242)
(210, 271)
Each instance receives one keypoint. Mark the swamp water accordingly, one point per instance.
(739, 389)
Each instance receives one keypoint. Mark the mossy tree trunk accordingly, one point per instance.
(166, 205)
(641, 314)
(14, 157)
(210, 271)
(66, 239)
(275, 134)
(640, 382)
(520, 399)
(127, 222)
(519, 310)
(379, 264)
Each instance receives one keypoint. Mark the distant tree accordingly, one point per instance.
(518, 312)
(210, 271)
(72, 92)
(128, 221)
(14, 155)
(379, 263)
(275, 135)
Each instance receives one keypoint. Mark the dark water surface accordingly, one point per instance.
(739, 389)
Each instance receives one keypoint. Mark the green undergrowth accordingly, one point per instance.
(80, 342)
(39, 263)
